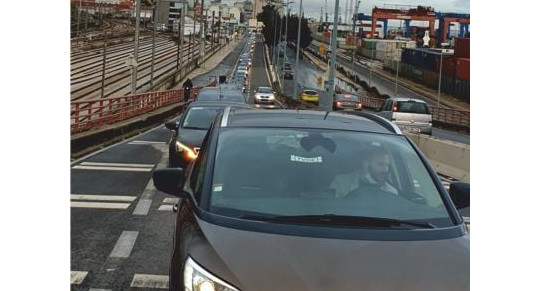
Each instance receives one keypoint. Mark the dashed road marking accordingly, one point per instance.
(150, 281)
(124, 245)
(171, 200)
(103, 197)
(142, 207)
(166, 207)
(169, 204)
(96, 201)
(100, 205)
(94, 289)
(114, 167)
(145, 142)
(77, 277)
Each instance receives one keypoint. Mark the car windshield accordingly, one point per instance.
(289, 172)
(412, 107)
(265, 90)
(200, 117)
(347, 97)
(310, 92)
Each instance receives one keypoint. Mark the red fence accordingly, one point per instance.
(88, 114)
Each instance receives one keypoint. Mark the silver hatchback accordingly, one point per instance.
(410, 115)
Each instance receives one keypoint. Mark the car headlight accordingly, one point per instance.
(189, 152)
(198, 279)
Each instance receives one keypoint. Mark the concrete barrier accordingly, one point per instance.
(447, 157)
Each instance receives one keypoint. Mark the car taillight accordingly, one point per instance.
(339, 103)
(394, 108)
(359, 105)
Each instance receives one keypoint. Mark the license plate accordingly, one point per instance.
(412, 129)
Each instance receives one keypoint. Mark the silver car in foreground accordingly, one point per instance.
(264, 95)
(410, 115)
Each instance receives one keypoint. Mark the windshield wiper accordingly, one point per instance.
(332, 219)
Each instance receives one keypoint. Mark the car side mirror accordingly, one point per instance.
(460, 194)
(172, 125)
(170, 181)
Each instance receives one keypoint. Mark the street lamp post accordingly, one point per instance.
(332, 68)
(397, 72)
(440, 74)
(136, 49)
(295, 83)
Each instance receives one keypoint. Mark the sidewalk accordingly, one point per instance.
(210, 64)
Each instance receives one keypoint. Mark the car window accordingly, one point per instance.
(310, 92)
(388, 105)
(200, 117)
(197, 174)
(265, 90)
(347, 97)
(318, 172)
(412, 107)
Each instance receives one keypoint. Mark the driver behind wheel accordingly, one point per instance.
(371, 174)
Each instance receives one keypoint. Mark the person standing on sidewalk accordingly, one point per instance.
(187, 89)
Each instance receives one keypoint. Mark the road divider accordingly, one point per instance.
(448, 158)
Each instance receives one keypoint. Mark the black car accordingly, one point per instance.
(288, 74)
(188, 133)
(312, 200)
(346, 102)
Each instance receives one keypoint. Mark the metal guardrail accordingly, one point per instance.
(88, 114)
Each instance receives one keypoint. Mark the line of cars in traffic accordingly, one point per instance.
(241, 74)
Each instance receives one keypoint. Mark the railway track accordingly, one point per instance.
(87, 68)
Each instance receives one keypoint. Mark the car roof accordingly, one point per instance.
(406, 99)
(287, 118)
(215, 103)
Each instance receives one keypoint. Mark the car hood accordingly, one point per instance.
(191, 137)
(262, 261)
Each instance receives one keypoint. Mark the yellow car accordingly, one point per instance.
(310, 96)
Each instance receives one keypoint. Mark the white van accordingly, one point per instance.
(408, 114)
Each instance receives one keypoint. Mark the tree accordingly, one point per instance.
(269, 18)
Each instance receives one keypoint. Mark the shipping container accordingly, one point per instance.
(462, 89)
(449, 66)
(369, 43)
(462, 48)
(430, 78)
(463, 69)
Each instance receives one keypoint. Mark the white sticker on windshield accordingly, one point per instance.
(218, 188)
(306, 160)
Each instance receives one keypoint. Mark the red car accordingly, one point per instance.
(346, 101)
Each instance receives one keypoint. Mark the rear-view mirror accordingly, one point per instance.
(170, 181)
(460, 194)
(172, 125)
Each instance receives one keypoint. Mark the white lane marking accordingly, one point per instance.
(117, 165)
(142, 207)
(102, 197)
(166, 207)
(124, 245)
(171, 200)
(150, 281)
(144, 142)
(101, 205)
(77, 277)
(94, 289)
(111, 169)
